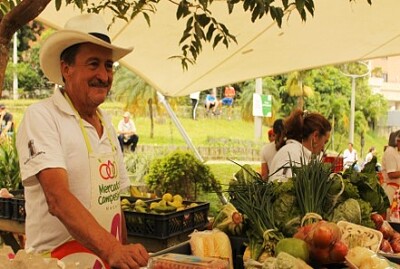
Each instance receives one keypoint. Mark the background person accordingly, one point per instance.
(269, 150)
(305, 134)
(391, 165)
(194, 97)
(350, 157)
(229, 94)
(6, 122)
(127, 133)
(71, 165)
(371, 153)
(211, 102)
(271, 135)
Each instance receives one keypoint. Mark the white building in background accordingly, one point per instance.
(385, 79)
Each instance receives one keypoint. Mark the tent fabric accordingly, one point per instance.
(340, 31)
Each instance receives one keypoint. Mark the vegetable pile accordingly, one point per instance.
(307, 207)
(391, 238)
(324, 242)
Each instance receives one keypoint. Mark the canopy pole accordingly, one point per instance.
(257, 119)
(353, 98)
(187, 139)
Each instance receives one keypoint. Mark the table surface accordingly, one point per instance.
(8, 225)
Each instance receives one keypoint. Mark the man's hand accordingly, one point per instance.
(132, 256)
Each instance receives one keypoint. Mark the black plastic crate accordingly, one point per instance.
(5, 208)
(166, 225)
(18, 209)
(17, 206)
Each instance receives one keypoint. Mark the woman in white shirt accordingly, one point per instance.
(391, 165)
(306, 134)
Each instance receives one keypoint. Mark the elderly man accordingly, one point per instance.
(127, 132)
(71, 163)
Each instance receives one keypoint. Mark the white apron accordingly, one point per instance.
(104, 203)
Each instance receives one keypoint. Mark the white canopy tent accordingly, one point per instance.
(340, 31)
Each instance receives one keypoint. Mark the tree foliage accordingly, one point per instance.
(180, 172)
(201, 26)
(331, 97)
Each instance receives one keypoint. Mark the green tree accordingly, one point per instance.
(297, 85)
(28, 34)
(201, 26)
(29, 79)
(332, 94)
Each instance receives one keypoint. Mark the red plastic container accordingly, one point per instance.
(336, 161)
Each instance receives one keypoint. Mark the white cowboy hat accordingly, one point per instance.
(80, 29)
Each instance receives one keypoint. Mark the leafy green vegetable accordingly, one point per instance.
(349, 211)
(370, 166)
(287, 213)
(350, 190)
(254, 199)
(366, 210)
(312, 182)
(369, 189)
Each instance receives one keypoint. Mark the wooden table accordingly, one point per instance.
(12, 233)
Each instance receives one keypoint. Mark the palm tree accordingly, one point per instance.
(134, 92)
(295, 86)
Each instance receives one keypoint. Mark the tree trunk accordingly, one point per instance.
(17, 17)
(301, 97)
(150, 102)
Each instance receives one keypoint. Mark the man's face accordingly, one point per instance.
(350, 147)
(90, 77)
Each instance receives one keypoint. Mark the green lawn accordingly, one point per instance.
(224, 173)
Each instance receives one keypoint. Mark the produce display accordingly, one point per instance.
(316, 216)
(284, 260)
(391, 238)
(324, 242)
(358, 236)
(168, 203)
(229, 220)
(211, 243)
(163, 217)
(364, 258)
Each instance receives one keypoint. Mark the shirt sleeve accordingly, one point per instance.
(390, 162)
(38, 144)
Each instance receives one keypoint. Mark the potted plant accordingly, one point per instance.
(10, 175)
(180, 172)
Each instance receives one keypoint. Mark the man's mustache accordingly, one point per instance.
(99, 83)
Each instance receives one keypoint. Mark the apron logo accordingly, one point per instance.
(108, 170)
